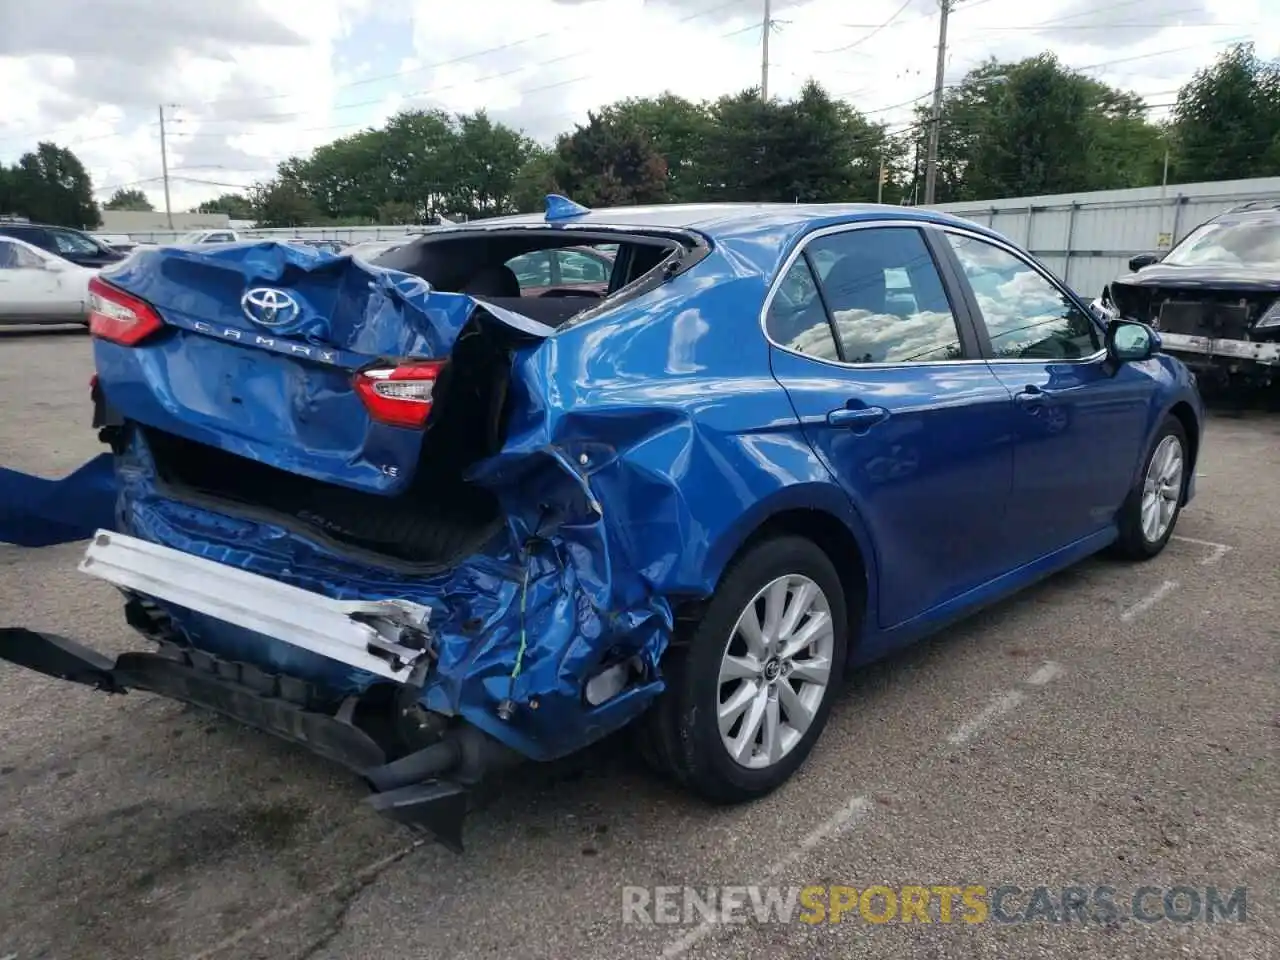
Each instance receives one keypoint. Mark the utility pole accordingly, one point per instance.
(764, 50)
(880, 182)
(164, 169)
(931, 163)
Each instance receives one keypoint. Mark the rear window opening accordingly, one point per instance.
(548, 275)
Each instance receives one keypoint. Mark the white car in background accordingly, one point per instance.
(369, 250)
(39, 287)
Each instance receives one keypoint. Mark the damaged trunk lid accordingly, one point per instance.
(314, 364)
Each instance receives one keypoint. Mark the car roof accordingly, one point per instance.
(773, 224)
(1254, 215)
(29, 225)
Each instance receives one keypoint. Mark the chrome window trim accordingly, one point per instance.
(1019, 255)
(795, 254)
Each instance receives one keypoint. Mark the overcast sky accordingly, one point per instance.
(253, 81)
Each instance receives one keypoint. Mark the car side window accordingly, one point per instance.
(886, 296)
(1027, 317)
(532, 269)
(578, 267)
(68, 242)
(797, 319)
(15, 257)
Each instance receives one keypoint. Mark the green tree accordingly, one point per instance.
(609, 163)
(346, 178)
(813, 149)
(51, 185)
(234, 205)
(1226, 123)
(282, 203)
(483, 166)
(8, 187)
(1037, 127)
(534, 180)
(678, 130)
(124, 199)
(397, 212)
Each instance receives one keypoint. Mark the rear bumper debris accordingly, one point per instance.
(428, 789)
(387, 638)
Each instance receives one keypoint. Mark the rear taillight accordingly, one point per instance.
(116, 316)
(399, 396)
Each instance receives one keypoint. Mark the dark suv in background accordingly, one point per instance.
(1215, 297)
(74, 245)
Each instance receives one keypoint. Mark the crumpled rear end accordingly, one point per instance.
(519, 627)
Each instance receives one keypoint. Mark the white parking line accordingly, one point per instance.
(1150, 600)
(971, 728)
(1219, 549)
(1046, 673)
(856, 809)
(852, 813)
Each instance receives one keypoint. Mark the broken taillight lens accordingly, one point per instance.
(399, 396)
(116, 316)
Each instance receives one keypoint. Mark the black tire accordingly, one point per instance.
(1133, 543)
(680, 736)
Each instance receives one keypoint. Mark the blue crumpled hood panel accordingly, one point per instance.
(283, 395)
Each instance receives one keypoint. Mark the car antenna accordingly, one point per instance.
(562, 208)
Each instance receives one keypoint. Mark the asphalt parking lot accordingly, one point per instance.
(1116, 726)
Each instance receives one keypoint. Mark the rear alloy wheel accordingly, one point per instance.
(775, 671)
(749, 693)
(1151, 511)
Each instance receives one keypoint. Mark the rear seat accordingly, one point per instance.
(552, 311)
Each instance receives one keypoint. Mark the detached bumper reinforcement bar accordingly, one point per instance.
(428, 790)
(386, 638)
(1265, 353)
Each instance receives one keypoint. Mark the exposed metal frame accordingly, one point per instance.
(366, 635)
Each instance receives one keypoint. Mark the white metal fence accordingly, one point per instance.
(1088, 238)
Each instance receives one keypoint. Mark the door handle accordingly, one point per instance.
(863, 417)
(1032, 396)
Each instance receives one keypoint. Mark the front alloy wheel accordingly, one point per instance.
(1151, 510)
(775, 671)
(1162, 489)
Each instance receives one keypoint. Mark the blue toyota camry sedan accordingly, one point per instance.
(429, 517)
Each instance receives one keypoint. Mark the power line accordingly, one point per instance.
(863, 39)
(1092, 66)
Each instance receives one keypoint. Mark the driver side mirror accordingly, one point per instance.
(1129, 341)
(1142, 260)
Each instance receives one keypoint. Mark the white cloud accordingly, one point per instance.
(258, 80)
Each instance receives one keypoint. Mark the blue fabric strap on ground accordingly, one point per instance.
(38, 512)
